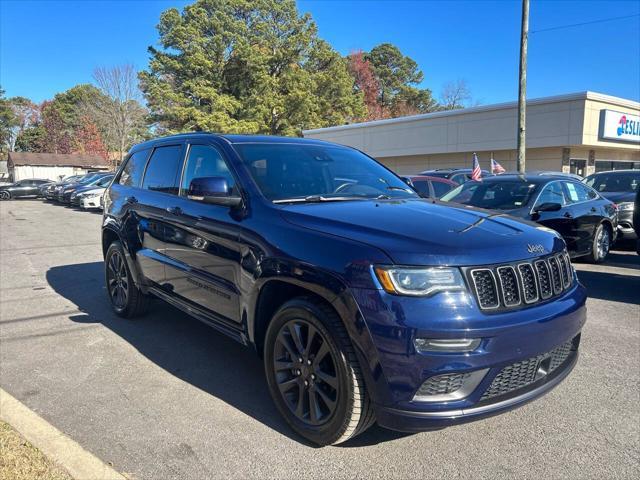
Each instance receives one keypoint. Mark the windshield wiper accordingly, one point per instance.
(315, 199)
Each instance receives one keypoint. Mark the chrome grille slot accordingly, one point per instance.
(509, 286)
(529, 286)
(544, 277)
(486, 288)
(556, 278)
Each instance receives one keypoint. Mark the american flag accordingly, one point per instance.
(476, 173)
(496, 168)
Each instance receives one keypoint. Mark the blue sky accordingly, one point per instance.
(49, 46)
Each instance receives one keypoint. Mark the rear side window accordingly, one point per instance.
(578, 192)
(440, 188)
(163, 170)
(552, 193)
(133, 169)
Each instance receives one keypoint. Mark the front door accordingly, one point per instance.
(561, 220)
(202, 243)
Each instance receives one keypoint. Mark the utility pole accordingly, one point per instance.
(522, 87)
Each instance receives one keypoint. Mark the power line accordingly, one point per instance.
(585, 23)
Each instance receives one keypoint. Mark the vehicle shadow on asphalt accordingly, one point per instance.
(615, 287)
(187, 349)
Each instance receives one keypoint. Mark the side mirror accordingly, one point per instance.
(214, 190)
(548, 207)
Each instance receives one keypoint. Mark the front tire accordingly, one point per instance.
(126, 298)
(600, 245)
(4, 195)
(313, 374)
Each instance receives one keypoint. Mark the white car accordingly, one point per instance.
(91, 199)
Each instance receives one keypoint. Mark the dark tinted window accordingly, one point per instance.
(296, 171)
(205, 161)
(163, 170)
(422, 186)
(440, 188)
(497, 195)
(552, 193)
(133, 169)
(615, 182)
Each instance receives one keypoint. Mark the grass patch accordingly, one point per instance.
(19, 460)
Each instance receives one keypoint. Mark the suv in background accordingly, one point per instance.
(366, 302)
(619, 186)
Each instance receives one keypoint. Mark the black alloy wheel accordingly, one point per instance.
(313, 374)
(5, 195)
(305, 371)
(127, 300)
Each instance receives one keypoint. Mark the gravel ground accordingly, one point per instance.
(167, 397)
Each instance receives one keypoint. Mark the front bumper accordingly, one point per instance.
(508, 337)
(91, 203)
(625, 225)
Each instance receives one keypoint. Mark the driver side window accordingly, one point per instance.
(552, 193)
(205, 161)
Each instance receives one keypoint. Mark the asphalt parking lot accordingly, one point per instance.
(167, 397)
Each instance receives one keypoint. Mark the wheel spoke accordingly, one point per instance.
(322, 352)
(288, 385)
(279, 365)
(311, 334)
(328, 379)
(314, 413)
(300, 405)
(295, 336)
(286, 343)
(331, 404)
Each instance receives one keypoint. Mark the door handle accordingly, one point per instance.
(131, 200)
(593, 209)
(174, 210)
(568, 215)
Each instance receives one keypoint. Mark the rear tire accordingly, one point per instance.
(127, 300)
(600, 245)
(313, 374)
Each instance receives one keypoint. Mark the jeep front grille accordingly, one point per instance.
(509, 286)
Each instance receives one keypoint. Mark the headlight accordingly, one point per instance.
(625, 206)
(420, 281)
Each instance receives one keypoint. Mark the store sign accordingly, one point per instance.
(620, 126)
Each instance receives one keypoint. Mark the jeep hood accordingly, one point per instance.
(423, 232)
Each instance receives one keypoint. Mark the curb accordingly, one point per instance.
(80, 463)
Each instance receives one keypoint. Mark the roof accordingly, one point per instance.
(56, 160)
(622, 102)
(528, 178)
(235, 139)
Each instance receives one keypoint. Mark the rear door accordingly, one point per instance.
(583, 204)
(23, 188)
(202, 240)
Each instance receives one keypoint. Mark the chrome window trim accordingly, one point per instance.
(475, 287)
(535, 282)
(540, 283)
(515, 275)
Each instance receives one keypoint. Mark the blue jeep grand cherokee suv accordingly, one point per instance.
(366, 302)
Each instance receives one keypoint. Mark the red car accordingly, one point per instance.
(430, 187)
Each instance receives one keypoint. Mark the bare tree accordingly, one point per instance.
(120, 110)
(455, 95)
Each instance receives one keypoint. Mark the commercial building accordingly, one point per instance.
(52, 166)
(578, 133)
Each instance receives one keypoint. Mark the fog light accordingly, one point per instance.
(458, 345)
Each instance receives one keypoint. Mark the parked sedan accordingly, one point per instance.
(430, 187)
(22, 188)
(89, 196)
(50, 192)
(64, 195)
(585, 220)
(619, 186)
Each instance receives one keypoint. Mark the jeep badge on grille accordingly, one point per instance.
(535, 248)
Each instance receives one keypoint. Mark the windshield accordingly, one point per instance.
(493, 195)
(299, 172)
(614, 182)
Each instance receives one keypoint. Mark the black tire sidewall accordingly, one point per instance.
(117, 247)
(329, 432)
